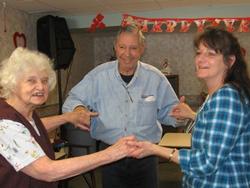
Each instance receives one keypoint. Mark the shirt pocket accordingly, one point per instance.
(147, 113)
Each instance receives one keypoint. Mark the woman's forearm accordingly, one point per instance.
(170, 154)
(53, 170)
(53, 122)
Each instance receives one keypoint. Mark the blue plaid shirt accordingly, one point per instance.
(220, 153)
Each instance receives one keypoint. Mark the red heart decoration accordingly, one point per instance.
(19, 39)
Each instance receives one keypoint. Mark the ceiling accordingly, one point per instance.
(88, 7)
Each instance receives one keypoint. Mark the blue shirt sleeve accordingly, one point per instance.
(80, 94)
(165, 106)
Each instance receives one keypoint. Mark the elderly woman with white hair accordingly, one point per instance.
(26, 156)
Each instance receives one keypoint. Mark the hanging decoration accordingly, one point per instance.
(200, 24)
(184, 24)
(19, 39)
(97, 23)
(4, 17)
(171, 24)
(244, 26)
(157, 26)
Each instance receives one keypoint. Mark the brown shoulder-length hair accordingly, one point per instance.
(227, 44)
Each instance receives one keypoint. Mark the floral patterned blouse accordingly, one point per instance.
(17, 145)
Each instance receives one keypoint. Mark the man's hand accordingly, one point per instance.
(81, 117)
(182, 110)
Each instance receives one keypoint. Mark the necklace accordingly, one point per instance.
(191, 125)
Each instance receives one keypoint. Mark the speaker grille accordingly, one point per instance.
(54, 39)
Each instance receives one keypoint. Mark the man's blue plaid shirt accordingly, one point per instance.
(220, 153)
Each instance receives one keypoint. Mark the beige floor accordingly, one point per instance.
(169, 176)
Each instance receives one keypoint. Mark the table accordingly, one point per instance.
(176, 140)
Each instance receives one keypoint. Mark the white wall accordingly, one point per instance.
(15, 21)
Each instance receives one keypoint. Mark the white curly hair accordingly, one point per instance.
(20, 62)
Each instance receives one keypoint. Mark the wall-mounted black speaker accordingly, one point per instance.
(54, 39)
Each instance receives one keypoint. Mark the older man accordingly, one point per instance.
(132, 98)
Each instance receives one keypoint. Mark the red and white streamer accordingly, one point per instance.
(170, 24)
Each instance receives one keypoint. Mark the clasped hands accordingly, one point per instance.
(129, 146)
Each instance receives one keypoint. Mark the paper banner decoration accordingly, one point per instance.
(216, 22)
(97, 23)
(157, 26)
(185, 25)
(229, 24)
(244, 26)
(200, 24)
(170, 24)
(144, 27)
